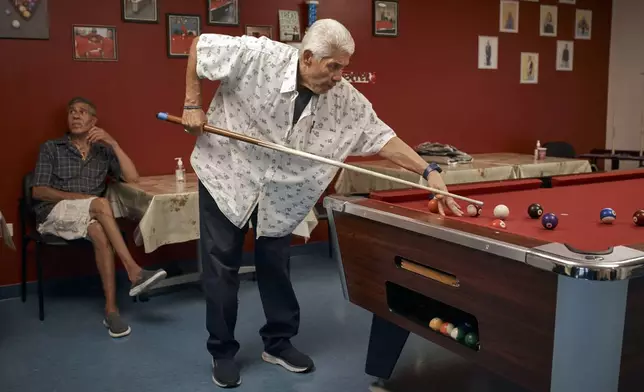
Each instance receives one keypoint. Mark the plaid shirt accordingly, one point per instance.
(61, 166)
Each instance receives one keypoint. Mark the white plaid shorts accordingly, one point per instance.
(69, 219)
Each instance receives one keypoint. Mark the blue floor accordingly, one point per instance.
(71, 351)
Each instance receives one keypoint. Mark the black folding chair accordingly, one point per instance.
(30, 234)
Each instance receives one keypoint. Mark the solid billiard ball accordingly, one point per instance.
(638, 218)
(473, 210)
(549, 221)
(433, 206)
(446, 328)
(501, 211)
(436, 323)
(535, 211)
(499, 224)
(607, 215)
(471, 339)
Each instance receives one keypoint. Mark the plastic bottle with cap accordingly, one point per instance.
(536, 150)
(180, 171)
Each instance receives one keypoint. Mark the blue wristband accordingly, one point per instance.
(430, 168)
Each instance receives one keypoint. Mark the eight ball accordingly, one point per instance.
(638, 218)
(535, 211)
(549, 221)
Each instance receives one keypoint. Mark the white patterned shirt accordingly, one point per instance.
(256, 98)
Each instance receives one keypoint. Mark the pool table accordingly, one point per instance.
(551, 310)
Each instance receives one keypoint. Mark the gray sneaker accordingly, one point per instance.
(146, 280)
(116, 326)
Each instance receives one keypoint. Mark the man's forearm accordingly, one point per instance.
(402, 155)
(128, 170)
(193, 84)
(45, 193)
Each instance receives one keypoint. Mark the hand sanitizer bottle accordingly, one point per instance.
(180, 171)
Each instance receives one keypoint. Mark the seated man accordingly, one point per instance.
(70, 177)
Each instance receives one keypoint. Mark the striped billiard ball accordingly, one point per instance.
(607, 215)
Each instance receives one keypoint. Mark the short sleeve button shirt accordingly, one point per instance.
(256, 98)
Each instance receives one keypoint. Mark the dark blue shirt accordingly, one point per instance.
(61, 166)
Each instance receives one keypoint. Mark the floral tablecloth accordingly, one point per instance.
(168, 211)
(484, 167)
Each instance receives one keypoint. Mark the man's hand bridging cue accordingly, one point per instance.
(193, 121)
(436, 181)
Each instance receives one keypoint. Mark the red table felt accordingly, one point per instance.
(577, 208)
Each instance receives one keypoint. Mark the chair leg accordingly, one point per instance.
(41, 306)
(23, 283)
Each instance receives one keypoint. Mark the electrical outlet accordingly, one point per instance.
(10, 228)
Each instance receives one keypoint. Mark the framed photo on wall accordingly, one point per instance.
(259, 31)
(548, 21)
(529, 68)
(583, 24)
(181, 30)
(565, 55)
(23, 19)
(94, 43)
(488, 52)
(385, 18)
(140, 11)
(223, 12)
(509, 17)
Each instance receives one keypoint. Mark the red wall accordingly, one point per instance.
(430, 69)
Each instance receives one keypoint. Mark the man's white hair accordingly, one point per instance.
(325, 36)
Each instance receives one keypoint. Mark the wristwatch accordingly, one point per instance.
(430, 168)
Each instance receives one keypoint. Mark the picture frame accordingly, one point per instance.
(258, 31)
(94, 43)
(222, 12)
(583, 24)
(488, 53)
(289, 23)
(565, 55)
(529, 68)
(548, 20)
(181, 29)
(385, 18)
(28, 21)
(509, 16)
(140, 11)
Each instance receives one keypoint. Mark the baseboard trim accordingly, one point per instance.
(13, 291)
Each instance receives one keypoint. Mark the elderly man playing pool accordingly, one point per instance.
(298, 99)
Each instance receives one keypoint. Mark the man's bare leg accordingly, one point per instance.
(105, 263)
(101, 210)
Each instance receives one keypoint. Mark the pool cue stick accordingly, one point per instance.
(222, 132)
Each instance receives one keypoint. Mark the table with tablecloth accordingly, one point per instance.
(5, 234)
(168, 211)
(483, 167)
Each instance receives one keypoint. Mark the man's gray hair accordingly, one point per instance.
(327, 36)
(92, 107)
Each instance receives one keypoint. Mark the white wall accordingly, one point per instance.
(626, 84)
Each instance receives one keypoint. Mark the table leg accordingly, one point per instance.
(385, 345)
(589, 329)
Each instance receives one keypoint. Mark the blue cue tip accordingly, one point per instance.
(162, 116)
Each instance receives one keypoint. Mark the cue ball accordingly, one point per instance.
(638, 218)
(549, 221)
(15, 24)
(473, 210)
(607, 215)
(499, 224)
(501, 211)
(535, 211)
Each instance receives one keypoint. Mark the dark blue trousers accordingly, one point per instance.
(221, 246)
